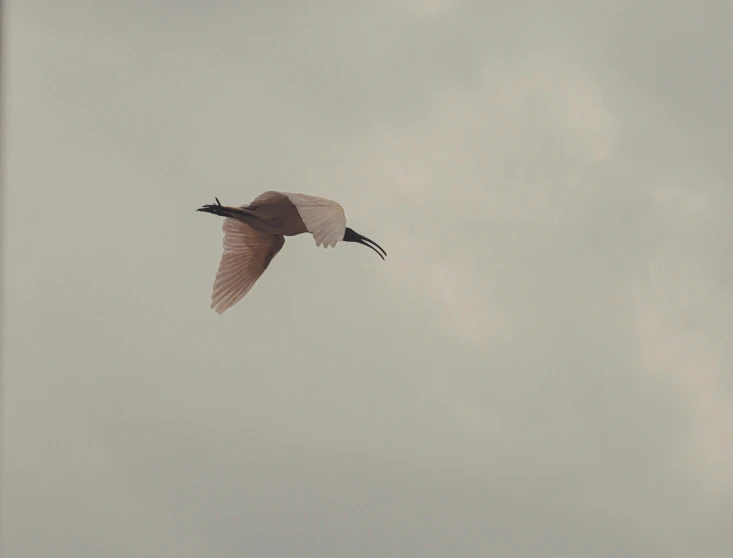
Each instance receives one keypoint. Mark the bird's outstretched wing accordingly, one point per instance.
(323, 218)
(247, 253)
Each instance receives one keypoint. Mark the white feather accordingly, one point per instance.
(247, 253)
(324, 219)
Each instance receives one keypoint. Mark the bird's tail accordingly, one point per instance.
(225, 210)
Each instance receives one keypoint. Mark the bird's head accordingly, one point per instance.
(351, 235)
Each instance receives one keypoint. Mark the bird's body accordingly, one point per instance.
(255, 233)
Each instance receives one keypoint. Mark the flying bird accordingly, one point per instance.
(255, 233)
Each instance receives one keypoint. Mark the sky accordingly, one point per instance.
(542, 367)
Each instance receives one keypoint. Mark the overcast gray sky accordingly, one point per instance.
(543, 366)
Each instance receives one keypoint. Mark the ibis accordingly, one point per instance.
(255, 233)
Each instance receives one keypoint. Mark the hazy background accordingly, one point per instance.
(543, 367)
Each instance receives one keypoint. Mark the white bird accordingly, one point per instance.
(255, 233)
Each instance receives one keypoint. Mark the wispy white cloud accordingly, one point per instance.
(445, 187)
(677, 347)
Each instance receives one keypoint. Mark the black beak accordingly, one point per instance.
(351, 235)
(362, 241)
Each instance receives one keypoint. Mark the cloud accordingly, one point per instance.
(447, 184)
(678, 346)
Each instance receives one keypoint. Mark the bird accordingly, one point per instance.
(255, 233)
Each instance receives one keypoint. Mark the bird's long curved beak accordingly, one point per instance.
(361, 240)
